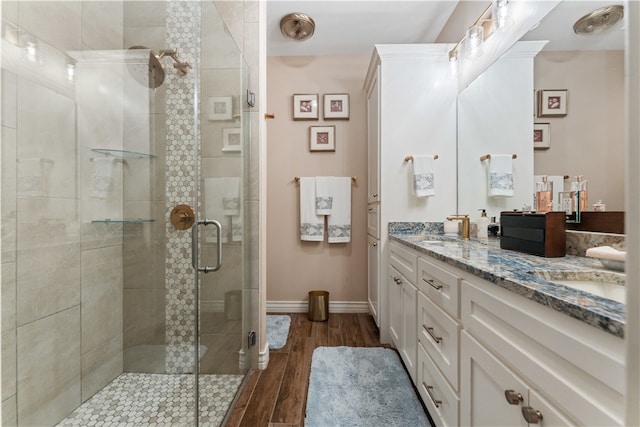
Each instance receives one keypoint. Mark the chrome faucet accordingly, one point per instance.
(464, 219)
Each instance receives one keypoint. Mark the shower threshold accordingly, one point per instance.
(135, 399)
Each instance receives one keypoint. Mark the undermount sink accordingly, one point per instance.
(604, 284)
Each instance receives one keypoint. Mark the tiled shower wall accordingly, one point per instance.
(61, 274)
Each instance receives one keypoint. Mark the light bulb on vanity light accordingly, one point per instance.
(453, 63)
(473, 41)
(500, 16)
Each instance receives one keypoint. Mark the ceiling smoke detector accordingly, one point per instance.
(297, 26)
(599, 20)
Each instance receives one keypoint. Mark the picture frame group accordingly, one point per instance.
(322, 138)
(541, 136)
(552, 103)
(335, 106)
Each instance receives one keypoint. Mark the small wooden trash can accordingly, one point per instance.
(318, 306)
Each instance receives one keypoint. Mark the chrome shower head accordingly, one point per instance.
(150, 74)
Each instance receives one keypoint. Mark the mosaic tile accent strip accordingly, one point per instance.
(183, 33)
(157, 400)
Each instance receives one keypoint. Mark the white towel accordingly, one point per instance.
(501, 175)
(311, 224)
(606, 252)
(423, 176)
(102, 178)
(324, 195)
(215, 190)
(339, 222)
(30, 180)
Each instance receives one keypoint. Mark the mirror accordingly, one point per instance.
(588, 140)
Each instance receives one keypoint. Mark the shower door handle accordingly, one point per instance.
(194, 246)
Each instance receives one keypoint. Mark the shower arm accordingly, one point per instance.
(182, 67)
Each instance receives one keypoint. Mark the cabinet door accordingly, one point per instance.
(373, 284)
(484, 381)
(373, 220)
(373, 140)
(551, 415)
(394, 288)
(409, 340)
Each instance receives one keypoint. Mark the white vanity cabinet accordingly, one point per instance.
(489, 356)
(578, 368)
(411, 110)
(403, 265)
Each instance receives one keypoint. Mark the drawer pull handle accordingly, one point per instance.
(375, 195)
(430, 393)
(430, 332)
(531, 415)
(370, 209)
(513, 397)
(432, 283)
(398, 281)
(374, 244)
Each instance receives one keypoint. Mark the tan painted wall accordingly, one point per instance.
(589, 140)
(295, 267)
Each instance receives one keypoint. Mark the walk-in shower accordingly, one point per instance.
(114, 113)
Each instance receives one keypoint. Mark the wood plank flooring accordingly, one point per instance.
(277, 396)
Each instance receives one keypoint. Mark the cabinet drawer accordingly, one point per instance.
(404, 260)
(441, 401)
(439, 334)
(440, 284)
(373, 220)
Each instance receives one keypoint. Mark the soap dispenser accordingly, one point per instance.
(544, 195)
(483, 225)
(580, 187)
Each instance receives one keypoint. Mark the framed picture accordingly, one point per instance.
(322, 138)
(552, 103)
(541, 136)
(305, 107)
(232, 139)
(336, 106)
(220, 108)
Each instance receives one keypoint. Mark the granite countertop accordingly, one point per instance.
(510, 270)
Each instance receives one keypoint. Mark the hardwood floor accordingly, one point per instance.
(277, 396)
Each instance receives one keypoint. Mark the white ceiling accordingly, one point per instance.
(354, 27)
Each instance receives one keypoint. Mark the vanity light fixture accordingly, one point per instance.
(495, 17)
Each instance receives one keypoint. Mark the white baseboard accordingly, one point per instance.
(303, 307)
(263, 357)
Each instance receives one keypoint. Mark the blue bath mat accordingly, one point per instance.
(357, 386)
(277, 331)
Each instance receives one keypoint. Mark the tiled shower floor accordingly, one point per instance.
(148, 400)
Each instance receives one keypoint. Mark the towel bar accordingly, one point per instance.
(353, 178)
(410, 157)
(488, 156)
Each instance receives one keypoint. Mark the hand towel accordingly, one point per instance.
(423, 176)
(501, 175)
(30, 180)
(339, 221)
(232, 206)
(606, 252)
(311, 224)
(215, 190)
(324, 195)
(102, 178)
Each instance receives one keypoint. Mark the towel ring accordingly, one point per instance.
(488, 156)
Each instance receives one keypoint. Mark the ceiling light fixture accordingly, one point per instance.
(599, 20)
(297, 26)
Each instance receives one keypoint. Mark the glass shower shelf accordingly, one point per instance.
(123, 221)
(123, 154)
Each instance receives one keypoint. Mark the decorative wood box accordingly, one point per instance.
(533, 233)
